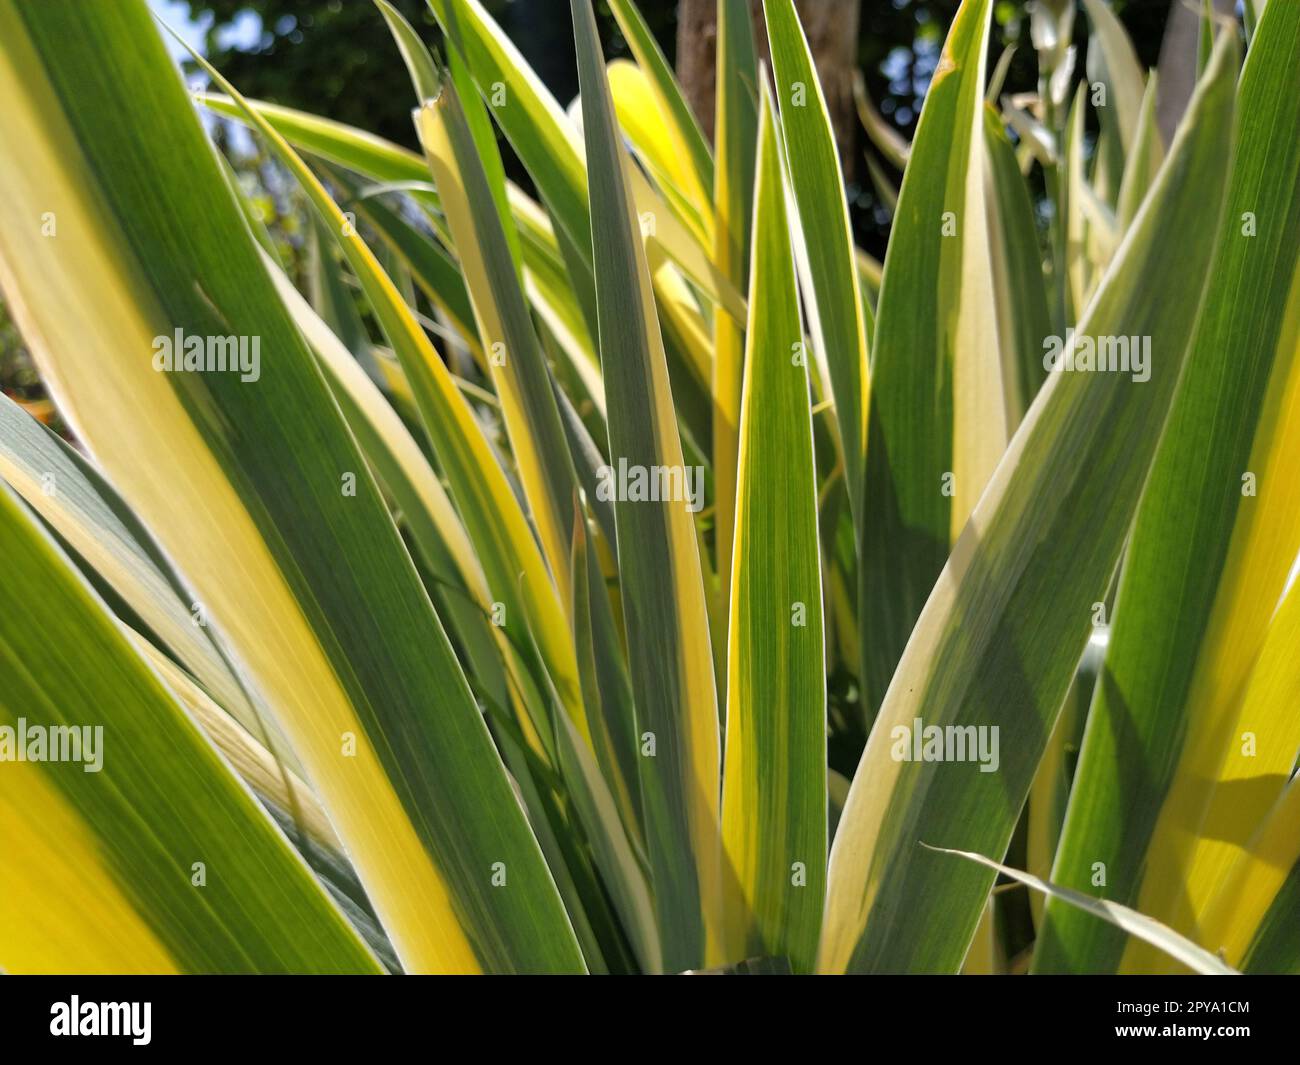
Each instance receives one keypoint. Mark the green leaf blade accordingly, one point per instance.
(662, 584)
(1210, 557)
(938, 408)
(774, 781)
(1002, 633)
(311, 586)
(834, 297)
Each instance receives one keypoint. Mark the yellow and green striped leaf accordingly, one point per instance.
(514, 357)
(517, 574)
(1253, 917)
(341, 144)
(1114, 63)
(774, 779)
(837, 313)
(1023, 320)
(1002, 633)
(307, 583)
(697, 173)
(550, 148)
(736, 132)
(1238, 863)
(938, 413)
(1138, 925)
(1213, 544)
(132, 848)
(1143, 162)
(433, 269)
(671, 663)
(427, 512)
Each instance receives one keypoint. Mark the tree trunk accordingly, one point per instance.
(1178, 64)
(832, 30)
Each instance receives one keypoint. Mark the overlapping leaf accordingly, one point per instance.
(997, 644)
(275, 522)
(1213, 544)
